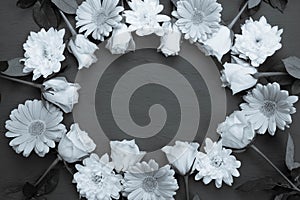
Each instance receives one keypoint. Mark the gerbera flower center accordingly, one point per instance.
(149, 184)
(268, 108)
(198, 17)
(216, 161)
(37, 127)
(100, 19)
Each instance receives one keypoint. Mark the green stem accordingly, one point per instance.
(70, 27)
(270, 162)
(67, 167)
(186, 183)
(36, 85)
(53, 164)
(232, 23)
(268, 74)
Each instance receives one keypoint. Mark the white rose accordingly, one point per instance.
(218, 45)
(125, 154)
(182, 155)
(75, 145)
(83, 50)
(61, 93)
(238, 77)
(121, 40)
(236, 131)
(170, 41)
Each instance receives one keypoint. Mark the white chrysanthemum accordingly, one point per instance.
(98, 17)
(198, 19)
(216, 164)
(144, 17)
(148, 181)
(257, 41)
(34, 125)
(44, 52)
(267, 107)
(96, 179)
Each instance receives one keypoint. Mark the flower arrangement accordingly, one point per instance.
(37, 125)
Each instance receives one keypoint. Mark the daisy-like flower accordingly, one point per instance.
(267, 107)
(44, 52)
(34, 125)
(96, 179)
(257, 41)
(98, 17)
(198, 19)
(148, 181)
(144, 17)
(216, 164)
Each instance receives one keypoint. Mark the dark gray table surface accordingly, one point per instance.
(15, 169)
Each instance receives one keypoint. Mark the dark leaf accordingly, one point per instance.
(288, 196)
(249, 12)
(289, 155)
(278, 4)
(67, 6)
(174, 2)
(49, 183)
(196, 197)
(295, 174)
(253, 3)
(15, 68)
(296, 87)
(25, 3)
(29, 190)
(266, 183)
(292, 66)
(44, 14)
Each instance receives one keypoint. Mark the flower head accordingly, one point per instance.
(148, 181)
(34, 126)
(83, 50)
(267, 107)
(61, 93)
(236, 131)
(96, 179)
(75, 145)
(44, 52)
(182, 155)
(198, 19)
(125, 154)
(216, 164)
(257, 41)
(98, 17)
(144, 17)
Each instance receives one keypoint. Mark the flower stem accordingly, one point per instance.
(36, 85)
(270, 162)
(70, 27)
(268, 74)
(186, 183)
(53, 164)
(232, 23)
(68, 168)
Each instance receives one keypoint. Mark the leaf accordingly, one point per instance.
(296, 87)
(249, 12)
(14, 68)
(295, 174)
(289, 155)
(253, 3)
(49, 183)
(25, 3)
(29, 190)
(174, 2)
(44, 15)
(287, 196)
(196, 197)
(279, 4)
(266, 183)
(292, 66)
(67, 6)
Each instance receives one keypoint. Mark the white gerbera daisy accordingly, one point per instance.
(216, 164)
(144, 18)
(98, 17)
(44, 52)
(267, 107)
(148, 181)
(257, 41)
(34, 125)
(198, 19)
(96, 179)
